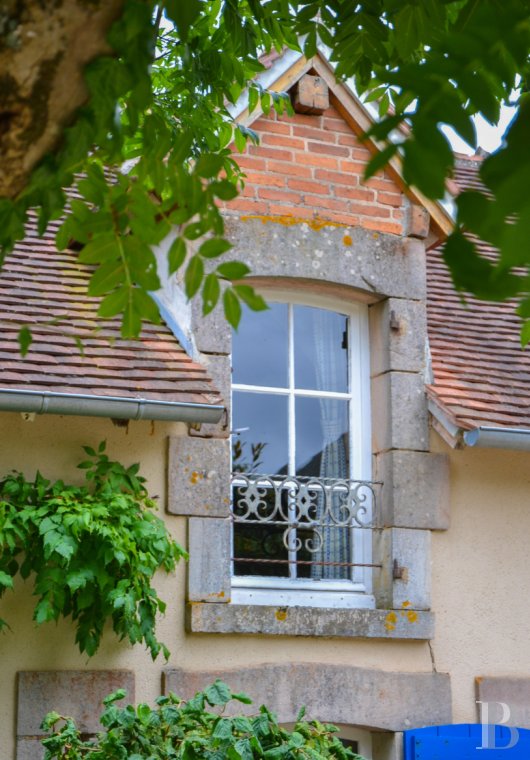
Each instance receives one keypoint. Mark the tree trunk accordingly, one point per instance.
(44, 47)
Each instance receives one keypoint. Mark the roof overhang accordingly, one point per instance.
(482, 436)
(114, 407)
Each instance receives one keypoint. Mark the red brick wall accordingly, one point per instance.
(310, 167)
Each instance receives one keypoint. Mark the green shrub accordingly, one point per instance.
(189, 731)
(91, 551)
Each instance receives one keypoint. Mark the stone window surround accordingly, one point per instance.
(349, 264)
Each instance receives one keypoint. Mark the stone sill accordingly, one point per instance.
(207, 617)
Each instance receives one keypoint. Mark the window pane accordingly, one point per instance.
(259, 443)
(262, 536)
(259, 348)
(320, 350)
(322, 442)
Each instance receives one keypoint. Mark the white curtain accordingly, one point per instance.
(336, 542)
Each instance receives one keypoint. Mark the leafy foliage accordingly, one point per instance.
(160, 106)
(189, 731)
(91, 551)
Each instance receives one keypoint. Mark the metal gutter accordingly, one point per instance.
(115, 407)
(498, 438)
(480, 437)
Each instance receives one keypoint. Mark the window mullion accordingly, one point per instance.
(292, 442)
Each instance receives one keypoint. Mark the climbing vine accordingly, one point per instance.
(90, 551)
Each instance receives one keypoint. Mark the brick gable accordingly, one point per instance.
(310, 167)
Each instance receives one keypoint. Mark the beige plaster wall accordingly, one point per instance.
(481, 573)
(481, 580)
(53, 444)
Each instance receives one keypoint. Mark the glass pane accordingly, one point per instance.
(322, 440)
(322, 450)
(259, 348)
(259, 441)
(320, 350)
(261, 537)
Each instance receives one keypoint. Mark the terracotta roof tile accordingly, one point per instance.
(481, 374)
(46, 290)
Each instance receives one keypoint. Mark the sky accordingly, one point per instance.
(489, 137)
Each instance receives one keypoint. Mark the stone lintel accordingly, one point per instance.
(415, 491)
(325, 253)
(399, 412)
(209, 566)
(309, 621)
(342, 693)
(75, 693)
(199, 476)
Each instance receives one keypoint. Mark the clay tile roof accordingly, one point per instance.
(481, 374)
(46, 290)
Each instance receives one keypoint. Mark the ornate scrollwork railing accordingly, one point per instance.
(302, 504)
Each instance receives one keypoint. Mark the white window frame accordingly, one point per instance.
(356, 593)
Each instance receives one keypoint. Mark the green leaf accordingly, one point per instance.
(218, 693)
(214, 247)
(194, 230)
(146, 306)
(473, 272)
(242, 697)
(240, 139)
(209, 165)
(106, 277)
(418, 169)
(310, 44)
(63, 236)
(193, 276)
(210, 293)
(25, 339)
(114, 303)
(224, 190)
(379, 160)
(297, 740)
(225, 134)
(101, 249)
(232, 307)
(131, 322)
(233, 270)
(410, 29)
(223, 727)
(249, 296)
(114, 697)
(253, 98)
(5, 580)
(176, 255)
(301, 714)
(525, 334)
(184, 14)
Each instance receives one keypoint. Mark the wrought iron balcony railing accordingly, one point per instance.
(291, 521)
